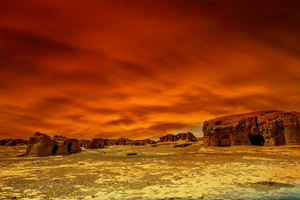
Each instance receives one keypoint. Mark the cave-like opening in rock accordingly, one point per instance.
(69, 146)
(256, 139)
(54, 150)
(225, 141)
(3, 142)
(105, 143)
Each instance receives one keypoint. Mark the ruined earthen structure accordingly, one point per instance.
(43, 145)
(13, 142)
(256, 128)
(95, 143)
(180, 136)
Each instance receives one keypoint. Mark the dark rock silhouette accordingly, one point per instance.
(141, 142)
(182, 145)
(126, 141)
(13, 142)
(131, 154)
(180, 136)
(256, 128)
(120, 141)
(43, 145)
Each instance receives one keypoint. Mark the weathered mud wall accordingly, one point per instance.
(257, 128)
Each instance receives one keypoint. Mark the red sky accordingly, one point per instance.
(140, 69)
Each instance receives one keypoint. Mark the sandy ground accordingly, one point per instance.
(155, 172)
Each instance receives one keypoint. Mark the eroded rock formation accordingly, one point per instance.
(43, 145)
(13, 142)
(141, 142)
(256, 128)
(120, 141)
(95, 143)
(180, 136)
(126, 141)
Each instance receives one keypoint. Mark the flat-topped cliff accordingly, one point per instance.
(257, 128)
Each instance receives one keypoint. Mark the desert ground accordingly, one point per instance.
(154, 172)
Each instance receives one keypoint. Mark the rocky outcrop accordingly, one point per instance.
(13, 142)
(82, 142)
(180, 136)
(182, 145)
(95, 143)
(126, 141)
(43, 145)
(256, 128)
(142, 142)
(120, 141)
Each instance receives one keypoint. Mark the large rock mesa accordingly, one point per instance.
(256, 128)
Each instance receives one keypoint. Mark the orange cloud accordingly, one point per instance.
(142, 69)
